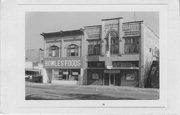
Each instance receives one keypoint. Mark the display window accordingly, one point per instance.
(67, 74)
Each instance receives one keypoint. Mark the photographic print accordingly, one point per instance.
(92, 56)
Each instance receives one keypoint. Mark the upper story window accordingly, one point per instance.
(94, 47)
(54, 51)
(131, 45)
(114, 40)
(72, 50)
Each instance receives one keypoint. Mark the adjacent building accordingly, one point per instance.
(114, 53)
(34, 60)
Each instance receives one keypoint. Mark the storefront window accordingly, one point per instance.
(72, 50)
(131, 45)
(94, 47)
(54, 51)
(114, 42)
(67, 74)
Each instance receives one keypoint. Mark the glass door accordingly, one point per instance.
(106, 79)
(111, 79)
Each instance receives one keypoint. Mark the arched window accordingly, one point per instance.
(54, 51)
(114, 47)
(72, 50)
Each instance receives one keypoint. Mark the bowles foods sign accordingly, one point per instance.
(63, 63)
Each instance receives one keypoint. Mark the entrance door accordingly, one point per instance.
(111, 79)
(106, 79)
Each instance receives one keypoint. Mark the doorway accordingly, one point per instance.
(112, 79)
(109, 79)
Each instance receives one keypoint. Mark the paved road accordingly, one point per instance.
(38, 91)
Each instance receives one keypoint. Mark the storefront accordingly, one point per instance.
(64, 70)
(121, 74)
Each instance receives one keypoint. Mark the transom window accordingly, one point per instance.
(73, 50)
(54, 51)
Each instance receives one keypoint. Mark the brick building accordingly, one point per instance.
(113, 53)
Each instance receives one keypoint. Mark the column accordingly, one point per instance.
(44, 75)
(103, 34)
(120, 28)
(81, 79)
(62, 48)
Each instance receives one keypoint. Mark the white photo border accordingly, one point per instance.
(16, 40)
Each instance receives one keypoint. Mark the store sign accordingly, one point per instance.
(63, 63)
(111, 71)
(131, 29)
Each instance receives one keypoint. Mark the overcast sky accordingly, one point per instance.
(39, 22)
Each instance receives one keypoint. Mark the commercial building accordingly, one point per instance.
(113, 53)
(34, 61)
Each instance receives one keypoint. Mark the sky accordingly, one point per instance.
(39, 22)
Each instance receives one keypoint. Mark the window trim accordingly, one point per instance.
(53, 48)
(75, 48)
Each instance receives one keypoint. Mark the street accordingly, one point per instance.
(39, 91)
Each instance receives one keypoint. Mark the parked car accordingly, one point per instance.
(33, 76)
(37, 78)
(28, 76)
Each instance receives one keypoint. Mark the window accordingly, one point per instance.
(114, 42)
(94, 47)
(131, 45)
(72, 50)
(54, 51)
(96, 64)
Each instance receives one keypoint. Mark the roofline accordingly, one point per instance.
(134, 22)
(43, 34)
(92, 25)
(111, 19)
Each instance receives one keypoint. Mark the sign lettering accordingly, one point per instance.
(111, 71)
(63, 63)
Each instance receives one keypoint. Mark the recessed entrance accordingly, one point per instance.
(112, 78)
